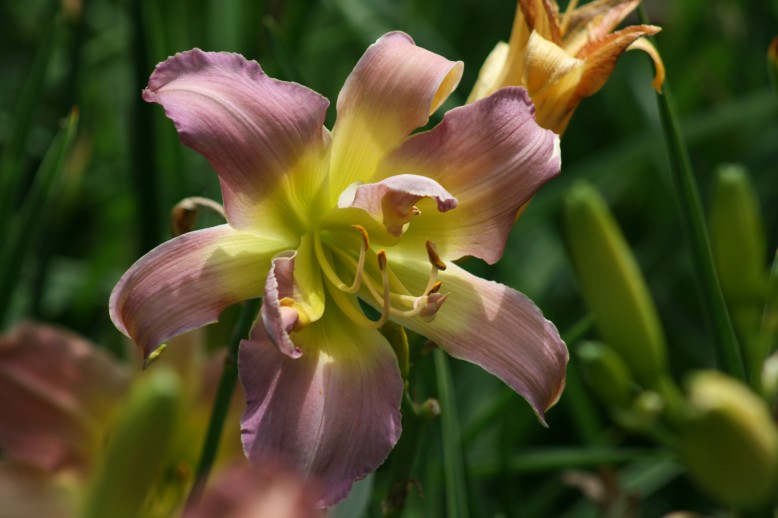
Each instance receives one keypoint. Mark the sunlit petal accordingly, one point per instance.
(186, 282)
(333, 413)
(492, 156)
(496, 327)
(391, 92)
(254, 130)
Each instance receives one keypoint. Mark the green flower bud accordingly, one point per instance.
(612, 285)
(607, 374)
(730, 443)
(739, 250)
(137, 447)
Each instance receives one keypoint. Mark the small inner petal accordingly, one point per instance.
(392, 201)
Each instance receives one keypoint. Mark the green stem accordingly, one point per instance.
(456, 490)
(415, 419)
(693, 222)
(222, 402)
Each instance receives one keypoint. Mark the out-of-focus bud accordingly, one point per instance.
(137, 447)
(729, 443)
(770, 377)
(772, 63)
(739, 250)
(612, 285)
(607, 374)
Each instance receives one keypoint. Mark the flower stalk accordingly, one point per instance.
(456, 489)
(693, 221)
(221, 403)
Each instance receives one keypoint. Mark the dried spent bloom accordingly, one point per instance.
(319, 222)
(560, 59)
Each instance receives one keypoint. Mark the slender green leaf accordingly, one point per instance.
(36, 210)
(12, 159)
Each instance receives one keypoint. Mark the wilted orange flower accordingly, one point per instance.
(561, 59)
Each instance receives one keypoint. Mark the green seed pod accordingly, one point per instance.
(612, 285)
(739, 250)
(604, 370)
(136, 448)
(729, 441)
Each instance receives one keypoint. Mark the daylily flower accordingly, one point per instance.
(318, 222)
(562, 59)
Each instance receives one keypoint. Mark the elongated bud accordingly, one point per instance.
(729, 443)
(612, 285)
(739, 250)
(607, 374)
(137, 447)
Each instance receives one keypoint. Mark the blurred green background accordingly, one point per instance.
(128, 169)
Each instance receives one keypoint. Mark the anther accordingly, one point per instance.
(432, 253)
(435, 288)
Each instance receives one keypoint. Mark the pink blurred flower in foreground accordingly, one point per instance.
(319, 221)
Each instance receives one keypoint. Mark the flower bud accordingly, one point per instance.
(612, 285)
(730, 443)
(137, 447)
(607, 374)
(739, 250)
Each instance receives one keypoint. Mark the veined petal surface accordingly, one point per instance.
(390, 93)
(333, 413)
(492, 156)
(186, 282)
(258, 133)
(496, 327)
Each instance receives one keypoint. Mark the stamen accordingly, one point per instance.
(432, 253)
(437, 264)
(425, 306)
(387, 299)
(566, 17)
(329, 271)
